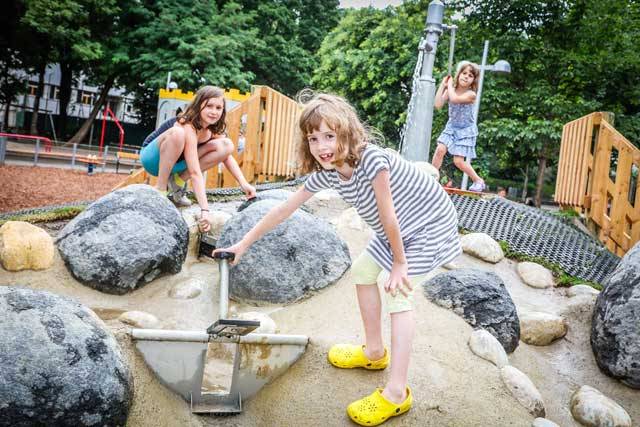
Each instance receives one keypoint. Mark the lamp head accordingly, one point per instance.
(502, 67)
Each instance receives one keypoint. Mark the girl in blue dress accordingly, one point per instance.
(460, 133)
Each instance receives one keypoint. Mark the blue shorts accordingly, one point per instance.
(150, 159)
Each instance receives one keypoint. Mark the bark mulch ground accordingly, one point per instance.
(33, 186)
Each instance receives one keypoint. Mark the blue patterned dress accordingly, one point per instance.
(459, 135)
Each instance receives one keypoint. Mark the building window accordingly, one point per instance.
(33, 89)
(83, 97)
(54, 92)
(129, 108)
(86, 98)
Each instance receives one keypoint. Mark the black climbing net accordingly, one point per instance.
(537, 233)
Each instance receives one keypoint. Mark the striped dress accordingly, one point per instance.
(427, 218)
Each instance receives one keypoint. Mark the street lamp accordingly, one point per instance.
(502, 67)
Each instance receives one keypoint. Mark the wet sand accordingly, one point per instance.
(452, 386)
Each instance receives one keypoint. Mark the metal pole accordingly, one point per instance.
(419, 121)
(168, 80)
(35, 154)
(104, 158)
(452, 46)
(224, 288)
(476, 107)
(73, 155)
(3, 149)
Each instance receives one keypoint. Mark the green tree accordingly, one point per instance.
(194, 41)
(369, 58)
(288, 34)
(67, 25)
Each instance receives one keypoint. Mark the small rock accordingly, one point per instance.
(523, 390)
(25, 247)
(453, 265)
(485, 345)
(535, 275)
(267, 324)
(140, 319)
(428, 168)
(543, 422)
(187, 290)
(327, 195)
(581, 290)
(541, 328)
(352, 220)
(482, 246)
(592, 408)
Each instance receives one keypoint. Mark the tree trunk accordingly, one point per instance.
(66, 80)
(526, 184)
(84, 129)
(542, 164)
(36, 101)
(5, 121)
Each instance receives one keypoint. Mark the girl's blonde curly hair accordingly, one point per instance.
(351, 135)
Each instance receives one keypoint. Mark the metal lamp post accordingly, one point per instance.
(502, 67)
(417, 137)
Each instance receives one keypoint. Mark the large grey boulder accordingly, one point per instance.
(301, 255)
(60, 366)
(124, 240)
(481, 298)
(615, 327)
(275, 194)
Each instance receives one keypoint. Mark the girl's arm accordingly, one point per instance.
(232, 166)
(469, 97)
(399, 270)
(274, 217)
(442, 94)
(193, 166)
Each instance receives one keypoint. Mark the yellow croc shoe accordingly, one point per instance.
(374, 409)
(349, 356)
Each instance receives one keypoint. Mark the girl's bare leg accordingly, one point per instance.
(210, 154)
(438, 155)
(466, 168)
(370, 309)
(171, 145)
(403, 327)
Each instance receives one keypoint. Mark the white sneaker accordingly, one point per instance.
(478, 187)
(177, 193)
(179, 199)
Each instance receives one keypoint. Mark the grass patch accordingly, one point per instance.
(563, 279)
(59, 214)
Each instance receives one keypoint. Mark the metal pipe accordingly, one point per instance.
(73, 155)
(452, 45)
(419, 121)
(36, 152)
(476, 107)
(3, 149)
(203, 337)
(224, 288)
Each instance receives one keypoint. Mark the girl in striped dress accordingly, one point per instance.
(415, 225)
(460, 133)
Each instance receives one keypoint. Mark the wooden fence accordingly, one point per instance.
(267, 119)
(598, 177)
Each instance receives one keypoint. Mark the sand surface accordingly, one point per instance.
(452, 386)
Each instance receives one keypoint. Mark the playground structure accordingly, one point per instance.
(598, 177)
(266, 119)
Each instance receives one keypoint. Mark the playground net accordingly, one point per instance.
(537, 233)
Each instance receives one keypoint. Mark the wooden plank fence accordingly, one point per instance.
(267, 120)
(598, 176)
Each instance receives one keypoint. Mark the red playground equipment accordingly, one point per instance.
(108, 111)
